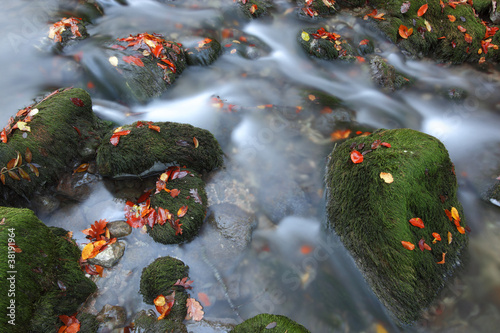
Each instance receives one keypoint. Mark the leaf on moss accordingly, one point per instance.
(387, 177)
(408, 245)
(195, 195)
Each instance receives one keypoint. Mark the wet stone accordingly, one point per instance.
(45, 204)
(110, 256)
(77, 186)
(119, 229)
(111, 316)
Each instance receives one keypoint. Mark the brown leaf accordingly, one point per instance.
(2, 178)
(11, 164)
(34, 169)
(28, 156)
(81, 168)
(195, 195)
(24, 174)
(13, 175)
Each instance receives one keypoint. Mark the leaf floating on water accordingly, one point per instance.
(387, 177)
(204, 299)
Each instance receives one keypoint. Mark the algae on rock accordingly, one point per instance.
(372, 216)
(46, 278)
(137, 152)
(265, 322)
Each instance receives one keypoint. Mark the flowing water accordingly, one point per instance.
(292, 266)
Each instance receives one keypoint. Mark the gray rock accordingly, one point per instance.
(110, 256)
(111, 316)
(119, 229)
(45, 204)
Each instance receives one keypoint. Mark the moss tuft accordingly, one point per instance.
(276, 323)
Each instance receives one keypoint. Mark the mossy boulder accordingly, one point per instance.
(265, 322)
(139, 151)
(149, 324)
(317, 9)
(63, 128)
(137, 68)
(325, 44)
(202, 52)
(159, 277)
(255, 8)
(192, 194)
(44, 279)
(445, 33)
(371, 215)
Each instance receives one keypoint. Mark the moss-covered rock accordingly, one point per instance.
(371, 215)
(158, 278)
(149, 324)
(317, 9)
(451, 33)
(88, 322)
(202, 52)
(137, 152)
(255, 8)
(62, 129)
(325, 45)
(244, 45)
(42, 279)
(386, 76)
(192, 191)
(265, 322)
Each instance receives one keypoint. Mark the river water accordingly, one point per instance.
(291, 267)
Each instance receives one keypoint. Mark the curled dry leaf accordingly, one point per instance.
(387, 177)
(442, 260)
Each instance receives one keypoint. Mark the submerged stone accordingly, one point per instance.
(139, 151)
(159, 277)
(265, 322)
(371, 212)
(54, 131)
(40, 275)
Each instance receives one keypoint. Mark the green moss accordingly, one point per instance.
(262, 8)
(88, 323)
(149, 324)
(158, 278)
(53, 141)
(46, 263)
(276, 323)
(371, 216)
(453, 48)
(192, 221)
(143, 147)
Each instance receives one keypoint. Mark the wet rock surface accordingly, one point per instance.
(109, 256)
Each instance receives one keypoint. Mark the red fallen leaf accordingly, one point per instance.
(195, 195)
(150, 217)
(453, 44)
(253, 9)
(184, 283)
(170, 65)
(461, 229)
(442, 261)
(462, 29)
(96, 230)
(174, 192)
(164, 304)
(132, 59)
(375, 144)
(364, 42)
(417, 222)
(81, 168)
(404, 32)
(408, 245)
(309, 11)
(421, 243)
(356, 157)
(71, 324)
(178, 174)
(437, 237)
(144, 196)
(452, 18)
(204, 299)
(77, 101)
(4, 136)
(154, 127)
(490, 31)
(157, 50)
(194, 310)
(468, 38)
(161, 185)
(385, 144)
(421, 11)
(163, 216)
(182, 211)
(77, 131)
(115, 138)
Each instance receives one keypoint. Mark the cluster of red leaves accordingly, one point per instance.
(59, 27)
(308, 9)
(150, 125)
(100, 238)
(141, 214)
(173, 172)
(71, 324)
(184, 283)
(156, 45)
(323, 34)
(117, 134)
(16, 164)
(357, 157)
(455, 218)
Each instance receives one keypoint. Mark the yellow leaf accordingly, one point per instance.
(454, 214)
(387, 177)
(87, 251)
(305, 36)
(428, 25)
(23, 126)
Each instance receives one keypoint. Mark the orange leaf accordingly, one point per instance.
(306, 249)
(468, 38)
(194, 310)
(448, 213)
(356, 157)
(452, 18)
(182, 211)
(454, 214)
(404, 32)
(154, 127)
(340, 134)
(417, 222)
(174, 192)
(4, 136)
(28, 156)
(408, 245)
(196, 143)
(421, 11)
(387, 177)
(115, 138)
(204, 299)
(135, 60)
(462, 29)
(24, 174)
(450, 237)
(164, 304)
(253, 8)
(461, 230)
(13, 175)
(81, 168)
(442, 261)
